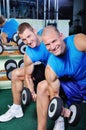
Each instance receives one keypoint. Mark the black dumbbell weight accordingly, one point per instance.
(26, 97)
(19, 41)
(1, 48)
(22, 48)
(21, 63)
(10, 63)
(55, 108)
(75, 116)
(15, 37)
(9, 72)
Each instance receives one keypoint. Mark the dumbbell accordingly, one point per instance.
(22, 47)
(10, 65)
(1, 48)
(21, 63)
(19, 42)
(55, 109)
(75, 116)
(26, 97)
(15, 37)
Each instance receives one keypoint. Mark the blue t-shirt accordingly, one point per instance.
(10, 27)
(71, 70)
(39, 53)
(72, 64)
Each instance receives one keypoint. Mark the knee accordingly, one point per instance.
(15, 74)
(42, 87)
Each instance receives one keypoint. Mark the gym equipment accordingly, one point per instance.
(10, 47)
(21, 63)
(26, 96)
(1, 48)
(55, 108)
(10, 65)
(19, 41)
(47, 12)
(15, 37)
(9, 72)
(38, 75)
(22, 48)
(75, 117)
(3, 76)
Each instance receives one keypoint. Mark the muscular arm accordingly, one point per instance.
(4, 37)
(80, 42)
(53, 82)
(29, 66)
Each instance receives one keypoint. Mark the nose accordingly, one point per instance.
(51, 46)
(27, 41)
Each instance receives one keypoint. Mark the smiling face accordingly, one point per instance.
(29, 38)
(53, 41)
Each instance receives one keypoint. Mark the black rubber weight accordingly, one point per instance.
(15, 37)
(78, 114)
(21, 63)
(10, 63)
(55, 108)
(1, 48)
(26, 96)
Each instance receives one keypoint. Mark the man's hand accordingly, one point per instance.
(34, 96)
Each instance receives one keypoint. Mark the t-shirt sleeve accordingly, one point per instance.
(39, 53)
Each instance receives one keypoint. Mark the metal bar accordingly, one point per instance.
(4, 8)
(37, 9)
(48, 9)
(56, 11)
(8, 8)
(44, 13)
(0, 8)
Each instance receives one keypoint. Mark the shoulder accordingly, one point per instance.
(80, 41)
(12, 20)
(80, 36)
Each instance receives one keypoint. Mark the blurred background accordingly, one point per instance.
(72, 10)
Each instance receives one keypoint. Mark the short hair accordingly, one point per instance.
(24, 26)
(48, 29)
(2, 19)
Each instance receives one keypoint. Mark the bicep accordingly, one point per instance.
(51, 76)
(29, 66)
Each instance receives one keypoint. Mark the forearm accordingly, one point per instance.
(53, 82)
(4, 38)
(29, 82)
(54, 89)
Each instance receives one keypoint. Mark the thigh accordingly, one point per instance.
(18, 74)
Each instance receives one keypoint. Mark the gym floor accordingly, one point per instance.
(29, 120)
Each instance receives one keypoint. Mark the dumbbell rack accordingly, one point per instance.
(11, 49)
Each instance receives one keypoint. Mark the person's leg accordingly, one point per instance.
(42, 105)
(43, 100)
(17, 85)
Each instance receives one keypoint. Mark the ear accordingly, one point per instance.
(62, 36)
(35, 31)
